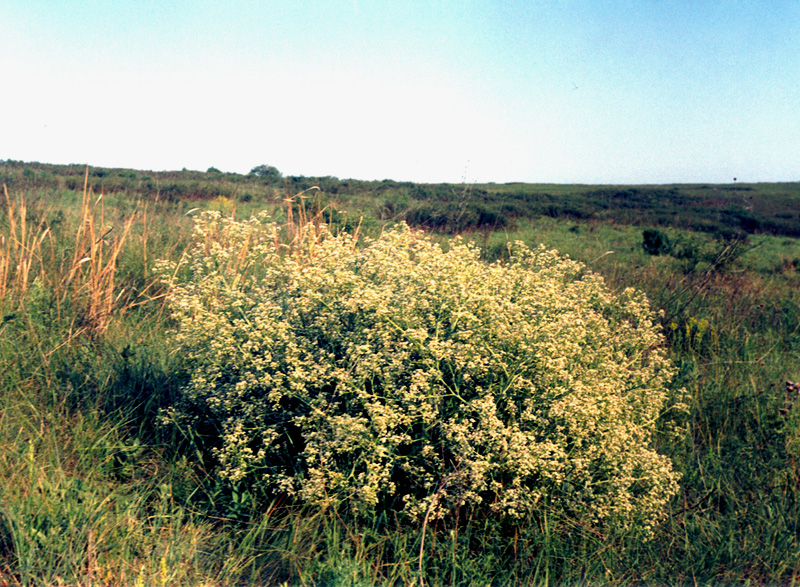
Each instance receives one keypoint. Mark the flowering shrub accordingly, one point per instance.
(401, 375)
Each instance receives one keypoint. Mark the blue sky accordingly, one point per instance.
(563, 91)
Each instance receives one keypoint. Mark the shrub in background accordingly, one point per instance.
(655, 242)
(401, 377)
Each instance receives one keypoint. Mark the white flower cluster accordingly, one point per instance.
(398, 373)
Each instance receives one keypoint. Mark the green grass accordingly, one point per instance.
(94, 492)
(725, 209)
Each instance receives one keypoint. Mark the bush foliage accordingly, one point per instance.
(400, 376)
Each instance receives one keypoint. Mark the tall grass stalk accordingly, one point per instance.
(20, 249)
(90, 277)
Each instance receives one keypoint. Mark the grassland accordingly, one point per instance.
(94, 492)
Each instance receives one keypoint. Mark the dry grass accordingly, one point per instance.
(90, 279)
(20, 249)
(85, 280)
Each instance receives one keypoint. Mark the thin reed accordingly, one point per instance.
(90, 278)
(20, 250)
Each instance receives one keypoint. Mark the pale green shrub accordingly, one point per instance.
(399, 375)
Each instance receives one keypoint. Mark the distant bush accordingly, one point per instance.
(400, 377)
(431, 217)
(655, 242)
(267, 172)
(452, 218)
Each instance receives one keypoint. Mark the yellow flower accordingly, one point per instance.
(405, 373)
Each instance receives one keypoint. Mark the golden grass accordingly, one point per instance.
(20, 249)
(86, 279)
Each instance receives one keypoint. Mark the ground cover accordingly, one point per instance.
(94, 491)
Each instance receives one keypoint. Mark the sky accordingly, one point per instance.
(541, 91)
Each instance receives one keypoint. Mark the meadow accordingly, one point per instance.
(95, 490)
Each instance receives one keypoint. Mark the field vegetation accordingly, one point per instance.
(97, 488)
